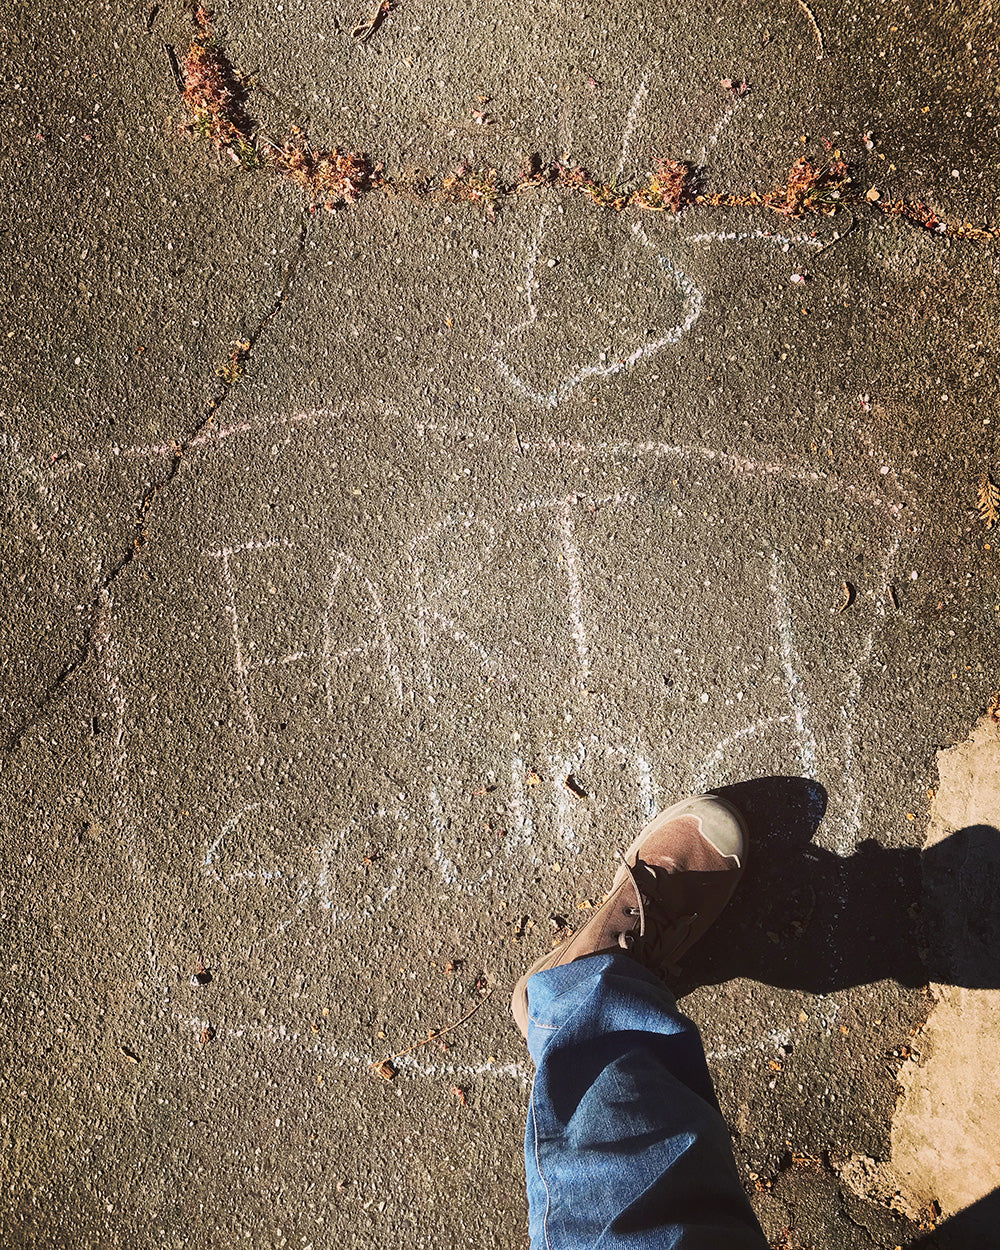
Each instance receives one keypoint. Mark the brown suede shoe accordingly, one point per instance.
(676, 878)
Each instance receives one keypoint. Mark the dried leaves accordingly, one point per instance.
(810, 188)
(988, 501)
(330, 177)
(481, 187)
(668, 190)
(231, 373)
(215, 96)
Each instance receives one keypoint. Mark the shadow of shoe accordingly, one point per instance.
(806, 918)
(977, 1226)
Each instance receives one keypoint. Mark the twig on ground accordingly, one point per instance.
(364, 30)
(175, 67)
(838, 237)
(382, 1067)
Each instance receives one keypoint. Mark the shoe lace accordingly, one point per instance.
(663, 925)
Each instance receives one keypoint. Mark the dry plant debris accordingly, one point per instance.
(215, 96)
(809, 188)
(231, 373)
(387, 1069)
(364, 30)
(330, 177)
(988, 501)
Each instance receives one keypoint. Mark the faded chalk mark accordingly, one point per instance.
(230, 824)
(703, 778)
(796, 690)
(766, 236)
(571, 561)
(692, 307)
(633, 117)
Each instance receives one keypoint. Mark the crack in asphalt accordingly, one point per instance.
(86, 649)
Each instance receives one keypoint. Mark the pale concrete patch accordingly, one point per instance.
(947, 1122)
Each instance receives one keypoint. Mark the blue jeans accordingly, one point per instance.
(625, 1147)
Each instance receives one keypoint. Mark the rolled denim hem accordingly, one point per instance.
(625, 1147)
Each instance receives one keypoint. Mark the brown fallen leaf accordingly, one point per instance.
(132, 1058)
(460, 1095)
(847, 596)
(384, 1069)
(988, 501)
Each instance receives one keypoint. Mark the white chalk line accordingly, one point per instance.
(211, 435)
(796, 692)
(633, 116)
(460, 635)
(734, 463)
(346, 1056)
(727, 116)
(774, 1040)
(563, 516)
(522, 827)
(767, 236)
(692, 307)
(211, 852)
(703, 778)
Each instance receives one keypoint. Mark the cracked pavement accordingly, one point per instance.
(297, 666)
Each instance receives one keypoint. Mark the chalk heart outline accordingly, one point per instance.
(541, 343)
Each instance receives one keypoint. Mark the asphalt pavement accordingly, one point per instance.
(372, 574)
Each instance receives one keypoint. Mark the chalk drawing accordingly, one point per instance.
(633, 115)
(212, 434)
(225, 555)
(728, 114)
(737, 465)
(775, 1040)
(766, 236)
(381, 640)
(558, 769)
(348, 1056)
(601, 366)
(705, 777)
(796, 690)
(691, 311)
(230, 824)
(571, 562)
(521, 827)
